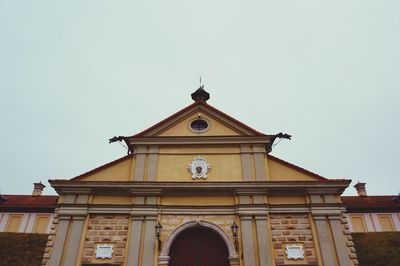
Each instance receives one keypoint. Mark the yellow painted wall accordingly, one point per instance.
(200, 149)
(358, 223)
(196, 201)
(118, 172)
(281, 172)
(286, 200)
(223, 167)
(111, 200)
(386, 222)
(41, 224)
(14, 221)
(216, 128)
(225, 161)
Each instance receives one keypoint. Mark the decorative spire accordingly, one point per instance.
(200, 95)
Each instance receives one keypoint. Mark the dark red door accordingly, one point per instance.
(198, 247)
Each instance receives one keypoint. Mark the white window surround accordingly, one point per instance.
(164, 257)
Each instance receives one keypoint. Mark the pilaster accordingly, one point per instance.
(59, 242)
(245, 152)
(263, 236)
(259, 162)
(324, 239)
(134, 240)
(149, 240)
(140, 163)
(340, 243)
(247, 240)
(73, 241)
(152, 163)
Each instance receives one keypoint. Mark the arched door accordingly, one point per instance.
(198, 246)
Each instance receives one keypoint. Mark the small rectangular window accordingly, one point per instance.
(386, 222)
(41, 224)
(14, 222)
(358, 224)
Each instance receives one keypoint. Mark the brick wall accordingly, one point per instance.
(106, 229)
(292, 229)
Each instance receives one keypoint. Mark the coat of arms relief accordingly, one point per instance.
(199, 168)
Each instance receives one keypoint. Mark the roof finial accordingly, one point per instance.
(200, 95)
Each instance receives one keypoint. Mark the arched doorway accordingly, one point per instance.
(198, 246)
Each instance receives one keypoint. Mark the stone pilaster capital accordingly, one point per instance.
(319, 217)
(64, 218)
(325, 211)
(334, 217)
(151, 218)
(73, 211)
(261, 217)
(258, 148)
(149, 211)
(246, 218)
(79, 218)
(249, 211)
(137, 218)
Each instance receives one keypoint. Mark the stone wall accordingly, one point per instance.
(349, 239)
(50, 240)
(292, 229)
(171, 222)
(106, 229)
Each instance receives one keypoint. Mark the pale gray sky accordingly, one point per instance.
(74, 73)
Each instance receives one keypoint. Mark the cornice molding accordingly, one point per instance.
(196, 140)
(282, 188)
(171, 188)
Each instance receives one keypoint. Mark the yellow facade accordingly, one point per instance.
(385, 221)
(14, 222)
(182, 127)
(41, 224)
(214, 178)
(118, 172)
(172, 160)
(358, 223)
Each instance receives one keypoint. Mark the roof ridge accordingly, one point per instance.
(141, 133)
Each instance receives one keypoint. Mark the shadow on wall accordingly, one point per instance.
(377, 249)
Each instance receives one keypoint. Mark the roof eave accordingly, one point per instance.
(269, 187)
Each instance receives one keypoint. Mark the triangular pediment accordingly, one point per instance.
(218, 124)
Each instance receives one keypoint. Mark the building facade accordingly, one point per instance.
(198, 188)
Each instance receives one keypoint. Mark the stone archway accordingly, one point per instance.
(164, 257)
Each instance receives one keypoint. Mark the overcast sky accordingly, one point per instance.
(75, 73)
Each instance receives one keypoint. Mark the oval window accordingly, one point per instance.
(199, 125)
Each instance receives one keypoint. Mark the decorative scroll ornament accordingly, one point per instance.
(294, 252)
(199, 168)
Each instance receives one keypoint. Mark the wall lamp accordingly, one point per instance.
(158, 227)
(235, 228)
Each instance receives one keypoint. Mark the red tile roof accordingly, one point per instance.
(28, 203)
(371, 203)
(257, 133)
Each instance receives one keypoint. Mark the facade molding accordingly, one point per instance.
(164, 255)
(293, 188)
